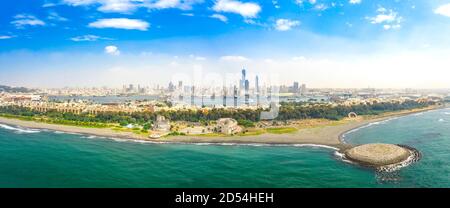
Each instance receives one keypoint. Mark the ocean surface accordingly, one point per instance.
(40, 158)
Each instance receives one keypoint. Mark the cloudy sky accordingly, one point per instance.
(323, 43)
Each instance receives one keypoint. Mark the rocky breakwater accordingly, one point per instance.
(383, 157)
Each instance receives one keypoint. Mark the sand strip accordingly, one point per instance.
(324, 135)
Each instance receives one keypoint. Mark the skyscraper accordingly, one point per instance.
(235, 96)
(180, 85)
(257, 84)
(303, 89)
(257, 89)
(295, 88)
(246, 91)
(131, 88)
(224, 96)
(242, 82)
(171, 87)
(203, 95)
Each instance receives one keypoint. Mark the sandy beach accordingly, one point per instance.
(104, 132)
(329, 135)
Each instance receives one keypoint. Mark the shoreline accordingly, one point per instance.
(394, 115)
(327, 135)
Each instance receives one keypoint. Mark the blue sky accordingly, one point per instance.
(61, 42)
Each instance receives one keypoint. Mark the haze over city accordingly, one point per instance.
(340, 44)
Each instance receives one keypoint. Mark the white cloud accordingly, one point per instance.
(275, 4)
(298, 58)
(88, 38)
(247, 9)
(55, 16)
(4, 37)
(128, 6)
(234, 58)
(23, 20)
(167, 4)
(121, 23)
(321, 7)
(355, 2)
(219, 17)
(120, 6)
(46, 5)
(285, 24)
(197, 58)
(300, 2)
(112, 50)
(389, 19)
(81, 2)
(443, 10)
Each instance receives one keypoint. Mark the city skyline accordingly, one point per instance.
(83, 43)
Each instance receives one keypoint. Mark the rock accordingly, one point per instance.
(378, 154)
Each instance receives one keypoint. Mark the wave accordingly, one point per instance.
(368, 125)
(341, 156)
(132, 140)
(211, 143)
(441, 120)
(93, 137)
(19, 130)
(415, 156)
(316, 145)
(447, 113)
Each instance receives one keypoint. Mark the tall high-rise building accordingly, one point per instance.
(295, 87)
(224, 96)
(246, 91)
(131, 88)
(257, 84)
(242, 82)
(203, 96)
(180, 85)
(303, 89)
(257, 89)
(235, 96)
(171, 87)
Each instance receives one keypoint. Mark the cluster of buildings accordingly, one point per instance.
(40, 101)
(243, 93)
(239, 95)
(42, 104)
(225, 126)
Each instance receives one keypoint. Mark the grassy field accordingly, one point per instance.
(282, 130)
(252, 132)
(59, 122)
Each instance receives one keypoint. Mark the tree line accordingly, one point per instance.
(287, 111)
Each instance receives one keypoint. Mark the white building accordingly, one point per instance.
(161, 124)
(228, 126)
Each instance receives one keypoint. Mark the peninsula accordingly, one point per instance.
(310, 131)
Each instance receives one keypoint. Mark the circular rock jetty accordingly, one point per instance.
(377, 155)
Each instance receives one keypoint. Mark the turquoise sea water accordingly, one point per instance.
(36, 158)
